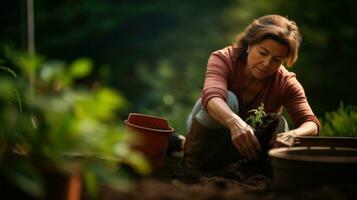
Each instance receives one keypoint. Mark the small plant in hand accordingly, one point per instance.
(264, 125)
(257, 118)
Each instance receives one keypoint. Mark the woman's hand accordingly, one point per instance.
(242, 134)
(244, 140)
(286, 139)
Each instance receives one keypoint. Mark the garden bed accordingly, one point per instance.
(237, 181)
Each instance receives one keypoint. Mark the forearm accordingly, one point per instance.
(220, 111)
(306, 129)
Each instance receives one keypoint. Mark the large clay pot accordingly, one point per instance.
(151, 134)
(305, 167)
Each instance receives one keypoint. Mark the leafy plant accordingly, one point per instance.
(342, 122)
(62, 126)
(7, 95)
(256, 119)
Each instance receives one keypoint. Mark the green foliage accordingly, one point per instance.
(175, 92)
(61, 123)
(342, 122)
(81, 67)
(125, 35)
(256, 119)
(11, 110)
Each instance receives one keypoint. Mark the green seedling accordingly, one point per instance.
(256, 119)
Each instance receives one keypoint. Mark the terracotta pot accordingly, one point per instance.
(62, 187)
(151, 134)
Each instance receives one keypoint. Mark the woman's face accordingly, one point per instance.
(265, 58)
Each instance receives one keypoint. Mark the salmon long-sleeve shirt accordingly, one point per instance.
(281, 90)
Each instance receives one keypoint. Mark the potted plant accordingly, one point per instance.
(62, 132)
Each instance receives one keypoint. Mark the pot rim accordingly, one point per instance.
(327, 137)
(145, 115)
(169, 131)
(283, 154)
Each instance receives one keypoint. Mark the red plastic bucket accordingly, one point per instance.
(152, 136)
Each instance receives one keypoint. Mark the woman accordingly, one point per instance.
(239, 78)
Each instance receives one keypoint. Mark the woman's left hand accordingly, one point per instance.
(286, 139)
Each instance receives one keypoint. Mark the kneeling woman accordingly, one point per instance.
(239, 78)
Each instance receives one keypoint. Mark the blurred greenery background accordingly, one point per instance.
(155, 52)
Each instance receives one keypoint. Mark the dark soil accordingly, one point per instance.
(237, 181)
(265, 132)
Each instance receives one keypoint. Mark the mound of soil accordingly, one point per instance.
(243, 181)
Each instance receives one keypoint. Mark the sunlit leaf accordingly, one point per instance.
(81, 67)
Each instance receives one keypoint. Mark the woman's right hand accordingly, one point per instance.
(242, 134)
(243, 138)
